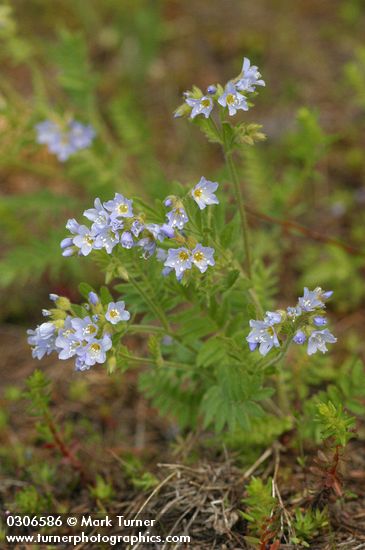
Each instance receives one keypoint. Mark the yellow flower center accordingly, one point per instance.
(114, 313)
(198, 193)
(122, 208)
(95, 348)
(89, 239)
(205, 103)
(270, 330)
(183, 256)
(230, 99)
(90, 329)
(198, 256)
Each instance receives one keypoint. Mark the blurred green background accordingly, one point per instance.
(122, 66)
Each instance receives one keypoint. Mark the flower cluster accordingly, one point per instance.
(64, 142)
(233, 96)
(302, 323)
(88, 338)
(114, 223)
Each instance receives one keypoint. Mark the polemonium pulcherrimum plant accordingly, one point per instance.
(183, 273)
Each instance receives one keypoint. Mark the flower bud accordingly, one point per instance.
(93, 298)
(299, 337)
(320, 321)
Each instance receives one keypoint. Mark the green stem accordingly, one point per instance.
(149, 361)
(241, 207)
(154, 307)
(160, 315)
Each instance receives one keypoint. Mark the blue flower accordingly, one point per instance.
(148, 245)
(233, 100)
(116, 312)
(98, 215)
(137, 227)
(73, 226)
(293, 312)
(249, 77)
(161, 254)
(64, 142)
(273, 318)
(155, 230)
(202, 257)
(201, 106)
(177, 217)
(318, 339)
(94, 352)
(212, 89)
(119, 206)
(42, 340)
(106, 238)
(319, 321)
(93, 298)
(178, 259)
(80, 135)
(203, 193)
(167, 230)
(85, 240)
(126, 240)
(299, 337)
(85, 329)
(262, 335)
(68, 344)
(312, 299)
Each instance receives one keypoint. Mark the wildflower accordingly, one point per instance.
(201, 106)
(42, 340)
(262, 335)
(84, 329)
(68, 344)
(148, 245)
(67, 242)
(119, 207)
(67, 247)
(93, 298)
(167, 231)
(80, 135)
(161, 254)
(116, 312)
(107, 238)
(233, 100)
(313, 299)
(299, 337)
(155, 230)
(273, 317)
(177, 217)
(249, 77)
(84, 240)
(178, 259)
(47, 132)
(211, 89)
(95, 351)
(202, 257)
(64, 142)
(168, 202)
(293, 312)
(98, 215)
(319, 321)
(126, 240)
(203, 193)
(73, 226)
(318, 340)
(137, 227)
